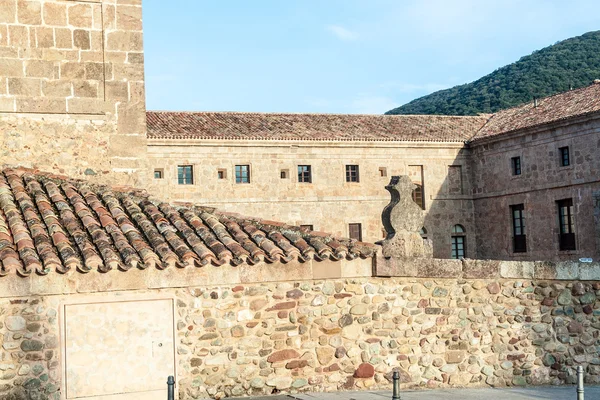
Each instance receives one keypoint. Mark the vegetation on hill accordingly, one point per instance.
(568, 64)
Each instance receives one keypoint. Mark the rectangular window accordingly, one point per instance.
(242, 174)
(518, 222)
(158, 174)
(304, 174)
(382, 171)
(222, 174)
(417, 196)
(185, 174)
(355, 231)
(516, 165)
(458, 247)
(352, 173)
(566, 224)
(564, 156)
(306, 228)
(415, 173)
(284, 173)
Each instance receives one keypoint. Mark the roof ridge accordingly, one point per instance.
(267, 113)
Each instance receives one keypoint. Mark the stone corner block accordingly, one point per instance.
(480, 269)
(517, 269)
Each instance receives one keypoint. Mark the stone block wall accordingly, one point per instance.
(72, 97)
(329, 203)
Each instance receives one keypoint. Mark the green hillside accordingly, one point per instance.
(571, 63)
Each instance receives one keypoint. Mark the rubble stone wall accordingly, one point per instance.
(510, 328)
(72, 97)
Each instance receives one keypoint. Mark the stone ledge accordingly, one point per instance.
(485, 269)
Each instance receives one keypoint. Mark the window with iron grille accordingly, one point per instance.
(516, 165)
(352, 173)
(518, 223)
(458, 249)
(355, 231)
(185, 175)
(242, 174)
(304, 174)
(564, 156)
(566, 225)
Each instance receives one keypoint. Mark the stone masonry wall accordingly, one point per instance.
(72, 97)
(348, 333)
(543, 181)
(329, 203)
(29, 350)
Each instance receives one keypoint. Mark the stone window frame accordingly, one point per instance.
(562, 158)
(518, 228)
(304, 173)
(242, 173)
(182, 167)
(567, 231)
(355, 231)
(459, 237)
(352, 173)
(516, 166)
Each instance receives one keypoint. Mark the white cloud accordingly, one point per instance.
(342, 33)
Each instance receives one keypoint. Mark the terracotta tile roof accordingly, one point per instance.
(265, 126)
(52, 224)
(574, 103)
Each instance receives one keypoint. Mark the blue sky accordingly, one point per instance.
(334, 56)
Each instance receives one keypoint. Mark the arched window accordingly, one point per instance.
(423, 233)
(459, 245)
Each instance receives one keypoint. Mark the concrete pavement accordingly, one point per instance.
(531, 393)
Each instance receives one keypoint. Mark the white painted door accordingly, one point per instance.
(119, 350)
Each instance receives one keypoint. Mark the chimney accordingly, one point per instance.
(535, 102)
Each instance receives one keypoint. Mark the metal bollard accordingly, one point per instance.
(396, 385)
(579, 382)
(171, 387)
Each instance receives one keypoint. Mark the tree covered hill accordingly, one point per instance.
(568, 64)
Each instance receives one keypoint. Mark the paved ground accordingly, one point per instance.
(537, 393)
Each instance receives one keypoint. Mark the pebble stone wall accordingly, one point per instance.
(341, 334)
(351, 334)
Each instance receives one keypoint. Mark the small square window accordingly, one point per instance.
(352, 173)
(306, 228)
(158, 173)
(564, 156)
(355, 231)
(304, 174)
(222, 174)
(284, 174)
(242, 174)
(185, 174)
(516, 165)
(382, 171)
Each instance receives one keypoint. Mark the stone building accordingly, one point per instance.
(104, 293)
(471, 193)
(72, 96)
